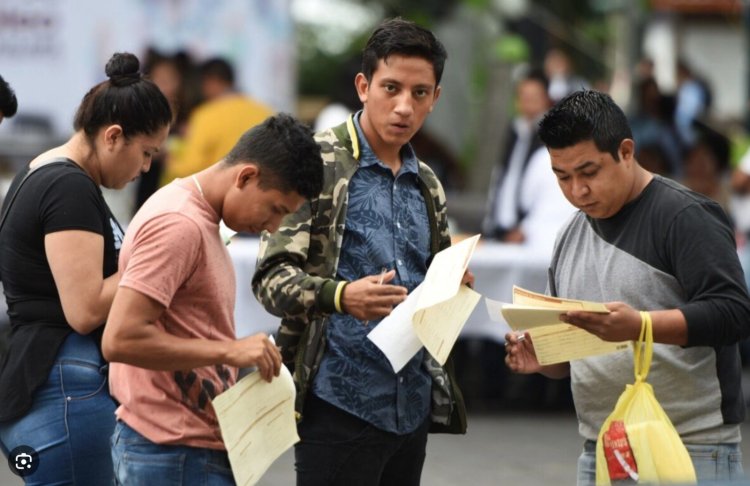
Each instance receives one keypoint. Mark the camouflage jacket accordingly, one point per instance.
(295, 276)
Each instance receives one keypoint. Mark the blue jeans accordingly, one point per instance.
(717, 462)
(70, 421)
(138, 461)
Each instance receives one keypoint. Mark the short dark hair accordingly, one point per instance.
(8, 101)
(127, 99)
(218, 68)
(535, 74)
(286, 153)
(585, 115)
(402, 37)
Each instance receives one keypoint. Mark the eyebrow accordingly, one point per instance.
(579, 168)
(399, 83)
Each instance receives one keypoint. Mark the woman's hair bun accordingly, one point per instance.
(122, 69)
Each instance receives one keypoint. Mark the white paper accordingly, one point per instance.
(395, 335)
(257, 423)
(433, 314)
(494, 309)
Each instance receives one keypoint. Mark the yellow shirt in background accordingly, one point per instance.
(213, 129)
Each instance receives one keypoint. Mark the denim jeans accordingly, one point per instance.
(717, 462)
(339, 449)
(70, 421)
(140, 462)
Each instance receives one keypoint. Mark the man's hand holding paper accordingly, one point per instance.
(434, 316)
(372, 297)
(558, 327)
(622, 323)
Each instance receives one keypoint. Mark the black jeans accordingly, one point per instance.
(337, 448)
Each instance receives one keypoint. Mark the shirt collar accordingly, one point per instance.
(367, 157)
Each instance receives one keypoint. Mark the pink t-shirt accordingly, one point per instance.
(172, 253)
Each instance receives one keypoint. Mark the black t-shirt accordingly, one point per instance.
(57, 197)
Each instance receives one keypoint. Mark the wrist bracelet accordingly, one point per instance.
(337, 296)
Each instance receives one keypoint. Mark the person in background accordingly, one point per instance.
(659, 147)
(343, 261)
(171, 334)
(562, 77)
(170, 74)
(59, 271)
(644, 242)
(524, 207)
(706, 166)
(524, 204)
(693, 103)
(740, 204)
(215, 125)
(8, 101)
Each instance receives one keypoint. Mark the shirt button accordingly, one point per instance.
(399, 262)
(398, 225)
(400, 379)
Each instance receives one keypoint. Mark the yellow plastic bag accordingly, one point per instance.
(650, 450)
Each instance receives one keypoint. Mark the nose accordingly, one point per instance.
(147, 166)
(580, 188)
(272, 225)
(404, 104)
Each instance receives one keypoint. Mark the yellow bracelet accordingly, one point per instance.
(337, 296)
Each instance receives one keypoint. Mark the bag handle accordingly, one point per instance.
(644, 348)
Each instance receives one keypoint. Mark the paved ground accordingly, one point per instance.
(499, 449)
(509, 448)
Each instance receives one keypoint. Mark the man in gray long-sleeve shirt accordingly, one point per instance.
(643, 242)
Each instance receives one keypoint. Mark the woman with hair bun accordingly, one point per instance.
(58, 265)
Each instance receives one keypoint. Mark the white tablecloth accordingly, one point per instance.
(496, 266)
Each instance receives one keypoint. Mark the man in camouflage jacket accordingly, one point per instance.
(380, 208)
(295, 275)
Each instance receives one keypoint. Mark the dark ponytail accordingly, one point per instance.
(126, 99)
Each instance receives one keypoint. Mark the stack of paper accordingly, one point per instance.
(554, 341)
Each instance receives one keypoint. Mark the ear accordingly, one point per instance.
(626, 151)
(111, 134)
(246, 174)
(435, 98)
(361, 84)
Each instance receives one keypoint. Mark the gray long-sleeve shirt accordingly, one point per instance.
(669, 248)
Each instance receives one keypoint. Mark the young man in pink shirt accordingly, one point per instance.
(170, 333)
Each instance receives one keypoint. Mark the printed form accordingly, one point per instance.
(434, 313)
(257, 423)
(554, 341)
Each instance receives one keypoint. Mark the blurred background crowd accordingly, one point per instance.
(679, 68)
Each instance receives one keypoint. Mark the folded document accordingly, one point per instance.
(554, 340)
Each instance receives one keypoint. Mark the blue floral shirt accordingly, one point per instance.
(386, 227)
